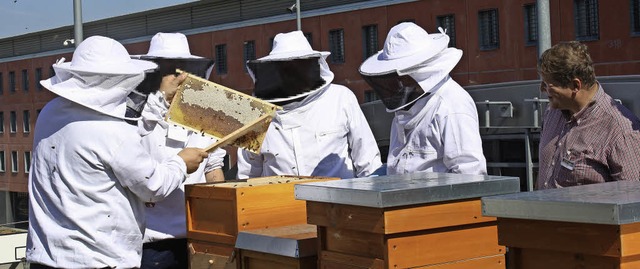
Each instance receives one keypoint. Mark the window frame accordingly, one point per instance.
(530, 24)
(369, 40)
(221, 59)
(14, 162)
(26, 121)
(3, 163)
(451, 31)
(248, 53)
(26, 157)
(337, 46)
(13, 122)
(591, 20)
(492, 35)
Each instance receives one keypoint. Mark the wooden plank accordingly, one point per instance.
(589, 239)
(366, 219)
(335, 260)
(438, 246)
(435, 215)
(211, 248)
(258, 260)
(204, 255)
(630, 239)
(490, 262)
(354, 242)
(397, 219)
(210, 237)
(212, 216)
(548, 259)
(269, 206)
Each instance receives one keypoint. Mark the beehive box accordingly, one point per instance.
(216, 212)
(421, 220)
(230, 116)
(286, 247)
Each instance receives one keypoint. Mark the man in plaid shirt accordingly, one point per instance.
(587, 137)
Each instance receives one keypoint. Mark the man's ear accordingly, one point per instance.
(576, 84)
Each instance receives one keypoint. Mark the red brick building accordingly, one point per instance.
(498, 38)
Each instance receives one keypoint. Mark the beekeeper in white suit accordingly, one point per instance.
(435, 127)
(90, 175)
(321, 130)
(165, 239)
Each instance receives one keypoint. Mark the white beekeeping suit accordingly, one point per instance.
(321, 130)
(435, 127)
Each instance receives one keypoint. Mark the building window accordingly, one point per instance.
(12, 81)
(25, 80)
(14, 161)
(12, 124)
(26, 122)
(488, 23)
(38, 78)
(27, 161)
(530, 24)
(52, 72)
(635, 17)
(336, 45)
(1, 84)
(2, 161)
(369, 40)
(1, 122)
(249, 52)
(586, 19)
(370, 96)
(221, 59)
(448, 23)
(309, 38)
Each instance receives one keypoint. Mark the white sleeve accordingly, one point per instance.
(364, 148)
(215, 160)
(463, 145)
(150, 180)
(249, 164)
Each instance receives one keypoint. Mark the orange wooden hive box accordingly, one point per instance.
(217, 212)
(590, 226)
(421, 220)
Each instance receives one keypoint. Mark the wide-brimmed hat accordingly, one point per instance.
(407, 45)
(170, 45)
(103, 55)
(100, 76)
(292, 45)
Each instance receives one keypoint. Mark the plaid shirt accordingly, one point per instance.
(598, 144)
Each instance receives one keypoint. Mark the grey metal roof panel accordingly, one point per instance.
(614, 203)
(409, 189)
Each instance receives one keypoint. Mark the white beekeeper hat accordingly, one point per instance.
(170, 45)
(406, 46)
(88, 79)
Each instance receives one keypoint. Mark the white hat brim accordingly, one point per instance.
(294, 55)
(377, 65)
(132, 67)
(171, 55)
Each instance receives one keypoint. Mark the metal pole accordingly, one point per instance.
(298, 15)
(77, 22)
(544, 26)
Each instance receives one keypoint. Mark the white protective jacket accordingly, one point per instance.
(89, 179)
(326, 134)
(439, 133)
(167, 218)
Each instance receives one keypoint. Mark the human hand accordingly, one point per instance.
(169, 85)
(192, 158)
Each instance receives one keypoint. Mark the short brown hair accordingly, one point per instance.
(566, 61)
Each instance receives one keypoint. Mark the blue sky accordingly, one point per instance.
(19, 17)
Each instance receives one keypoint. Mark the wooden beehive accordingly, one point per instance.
(216, 212)
(230, 116)
(421, 220)
(287, 247)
